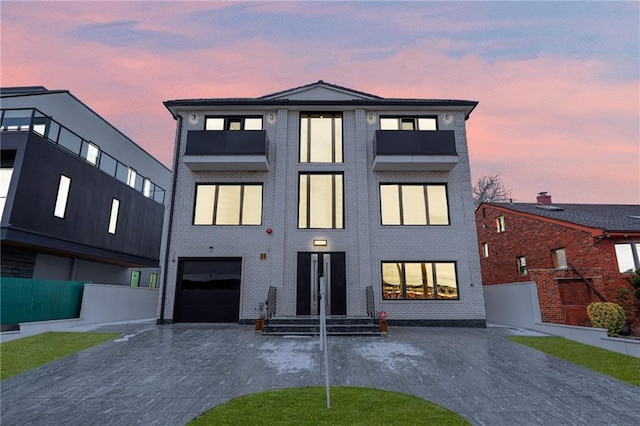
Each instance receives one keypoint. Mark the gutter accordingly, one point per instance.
(171, 209)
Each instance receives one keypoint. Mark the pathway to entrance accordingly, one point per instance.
(171, 373)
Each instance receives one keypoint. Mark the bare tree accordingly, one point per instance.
(489, 189)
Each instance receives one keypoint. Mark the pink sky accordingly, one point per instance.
(558, 84)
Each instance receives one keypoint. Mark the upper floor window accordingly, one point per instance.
(228, 204)
(559, 257)
(6, 171)
(628, 255)
(321, 138)
(113, 217)
(500, 224)
(485, 250)
(419, 280)
(61, 199)
(321, 203)
(408, 123)
(233, 123)
(522, 265)
(414, 204)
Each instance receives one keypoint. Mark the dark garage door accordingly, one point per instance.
(209, 290)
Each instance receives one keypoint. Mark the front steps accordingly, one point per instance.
(310, 326)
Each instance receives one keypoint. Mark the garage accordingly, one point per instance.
(209, 290)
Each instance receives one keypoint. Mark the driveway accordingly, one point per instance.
(169, 374)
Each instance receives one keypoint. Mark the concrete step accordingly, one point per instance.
(344, 326)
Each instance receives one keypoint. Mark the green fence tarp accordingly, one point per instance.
(28, 300)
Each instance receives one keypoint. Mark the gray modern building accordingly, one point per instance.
(321, 181)
(79, 200)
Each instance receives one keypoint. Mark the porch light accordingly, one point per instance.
(320, 243)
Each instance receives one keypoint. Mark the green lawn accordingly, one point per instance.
(614, 364)
(349, 406)
(23, 354)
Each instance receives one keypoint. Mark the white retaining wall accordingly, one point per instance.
(109, 303)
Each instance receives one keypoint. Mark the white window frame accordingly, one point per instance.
(62, 198)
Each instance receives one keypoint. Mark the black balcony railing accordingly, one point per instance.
(227, 142)
(406, 142)
(32, 120)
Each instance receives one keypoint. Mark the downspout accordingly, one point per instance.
(170, 226)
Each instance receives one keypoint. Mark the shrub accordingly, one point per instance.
(607, 315)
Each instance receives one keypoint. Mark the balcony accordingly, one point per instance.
(405, 150)
(227, 150)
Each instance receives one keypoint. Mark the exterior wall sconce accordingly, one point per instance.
(448, 118)
(193, 119)
(319, 243)
(271, 117)
(371, 118)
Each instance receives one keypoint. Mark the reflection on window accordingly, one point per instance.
(559, 257)
(408, 123)
(522, 265)
(628, 256)
(233, 123)
(414, 204)
(500, 224)
(419, 280)
(321, 138)
(228, 204)
(61, 199)
(321, 201)
(113, 217)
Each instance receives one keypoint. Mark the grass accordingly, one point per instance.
(614, 364)
(349, 406)
(20, 355)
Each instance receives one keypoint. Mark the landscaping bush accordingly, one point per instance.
(607, 315)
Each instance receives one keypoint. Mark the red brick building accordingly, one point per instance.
(576, 253)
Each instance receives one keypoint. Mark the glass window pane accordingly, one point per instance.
(215, 123)
(426, 124)
(388, 124)
(235, 124)
(407, 124)
(205, 196)
(624, 254)
(338, 139)
(228, 207)
(339, 201)
(321, 139)
(252, 205)
(438, 210)
(40, 124)
(413, 205)
(446, 281)
(304, 128)
(390, 204)
(392, 280)
(61, 199)
(5, 180)
(108, 164)
(158, 194)
(147, 188)
(321, 201)
(69, 141)
(131, 178)
(122, 172)
(113, 218)
(90, 152)
(415, 280)
(302, 204)
(253, 124)
(16, 119)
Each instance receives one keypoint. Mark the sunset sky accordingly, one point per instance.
(558, 83)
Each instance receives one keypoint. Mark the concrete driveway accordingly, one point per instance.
(169, 374)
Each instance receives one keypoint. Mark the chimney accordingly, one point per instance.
(543, 198)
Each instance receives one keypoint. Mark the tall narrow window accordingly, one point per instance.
(113, 217)
(228, 204)
(485, 250)
(559, 257)
(321, 201)
(131, 177)
(413, 204)
(522, 265)
(6, 171)
(321, 138)
(61, 199)
(135, 278)
(500, 224)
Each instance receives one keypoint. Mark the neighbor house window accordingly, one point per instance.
(135, 278)
(61, 199)
(628, 256)
(228, 204)
(113, 218)
(500, 224)
(233, 123)
(320, 203)
(485, 250)
(559, 257)
(522, 265)
(408, 123)
(414, 204)
(153, 280)
(321, 138)
(419, 280)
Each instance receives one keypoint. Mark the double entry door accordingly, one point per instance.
(311, 267)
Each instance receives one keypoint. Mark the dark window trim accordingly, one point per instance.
(334, 200)
(229, 118)
(415, 121)
(215, 201)
(634, 253)
(434, 275)
(424, 185)
(309, 114)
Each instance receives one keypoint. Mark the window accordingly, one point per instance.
(228, 204)
(559, 257)
(408, 123)
(485, 250)
(61, 199)
(414, 204)
(500, 224)
(135, 278)
(153, 280)
(233, 123)
(321, 138)
(90, 152)
(419, 280)
(628, 256)
(522, 265)
(113, 217)
(6, 171)
(321, 201)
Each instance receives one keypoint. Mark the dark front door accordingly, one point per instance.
(312, 266)
(209, 290)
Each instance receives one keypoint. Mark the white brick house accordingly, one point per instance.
(321, 180)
